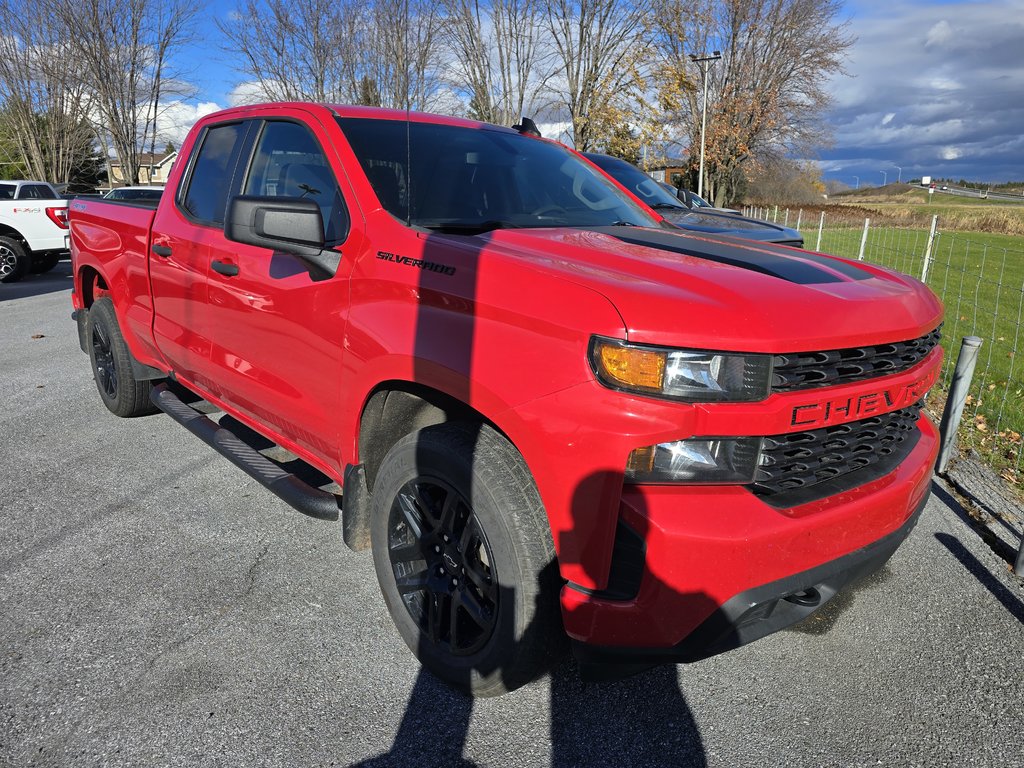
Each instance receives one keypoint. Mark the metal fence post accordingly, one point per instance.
(821, 225)
(799, 215)
(928, 250)
(785, 220)
(864, 240)
(958, 389)
(775, 217)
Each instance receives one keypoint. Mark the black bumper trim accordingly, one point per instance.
(752, 614)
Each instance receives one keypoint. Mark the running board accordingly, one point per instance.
(302, 496)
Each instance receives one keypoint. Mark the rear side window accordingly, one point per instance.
(6, 191)
(206, 196)
(288, 162)
(38, 192)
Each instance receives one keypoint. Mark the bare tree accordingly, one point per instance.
(600, 48)
(124, 51)
(382, 53)
(767, 95)
(294, 49)
(498, 57)
(44, 104)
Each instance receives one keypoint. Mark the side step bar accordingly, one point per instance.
(304, 497)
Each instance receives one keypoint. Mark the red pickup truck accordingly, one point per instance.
(545, 410)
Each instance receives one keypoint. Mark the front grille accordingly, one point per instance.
(802, 466)
(805, 370)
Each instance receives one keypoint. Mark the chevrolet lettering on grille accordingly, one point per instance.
(840, 410)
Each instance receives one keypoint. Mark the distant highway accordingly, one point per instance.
(977, 193)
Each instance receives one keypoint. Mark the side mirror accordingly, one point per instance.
(684, 195)
(288, 224)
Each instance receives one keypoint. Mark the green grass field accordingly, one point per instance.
(980, 279)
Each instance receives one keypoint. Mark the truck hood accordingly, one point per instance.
(682, 289)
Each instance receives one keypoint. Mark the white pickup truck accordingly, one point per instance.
(33, 235)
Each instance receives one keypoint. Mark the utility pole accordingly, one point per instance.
(885, 178)
(704, 62)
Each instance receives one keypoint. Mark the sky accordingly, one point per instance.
(932, 87)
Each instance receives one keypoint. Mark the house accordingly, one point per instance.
(153, 169)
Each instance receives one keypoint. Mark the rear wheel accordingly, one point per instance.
(464, 558)
(112, 364)
(14, 260)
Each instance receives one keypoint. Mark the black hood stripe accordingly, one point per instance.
(803, 268)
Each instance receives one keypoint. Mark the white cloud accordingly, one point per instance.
(176, 118)
(939, 34)
(952, 72)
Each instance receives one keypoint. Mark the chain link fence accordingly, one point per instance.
(980, 279)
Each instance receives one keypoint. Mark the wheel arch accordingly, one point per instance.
(395, 408)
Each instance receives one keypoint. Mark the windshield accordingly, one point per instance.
(636, 181)
(472, 179)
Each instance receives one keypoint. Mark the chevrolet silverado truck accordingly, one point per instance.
(33, 236)
(546, 413)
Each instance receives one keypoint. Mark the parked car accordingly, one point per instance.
(33, 236)
(27, 190)
(139, 194)
(695, 217)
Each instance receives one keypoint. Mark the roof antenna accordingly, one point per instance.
(528, 128)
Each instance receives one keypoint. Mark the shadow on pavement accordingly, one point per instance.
(57, 279)
(1010, 602)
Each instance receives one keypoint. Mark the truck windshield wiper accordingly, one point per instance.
(467, 227)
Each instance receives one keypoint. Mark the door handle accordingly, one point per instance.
(161, 250)
(225, 269)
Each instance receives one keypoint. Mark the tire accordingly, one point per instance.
(15, 261)
(112, 364)
(45, 263)
(480, 608)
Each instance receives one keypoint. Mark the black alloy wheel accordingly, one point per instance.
(103, 355)
(443, 566)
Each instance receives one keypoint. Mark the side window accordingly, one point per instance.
(43, 192)
(29, 192)
(289, 162)
(206, 197)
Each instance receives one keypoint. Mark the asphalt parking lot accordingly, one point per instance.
(158, 608)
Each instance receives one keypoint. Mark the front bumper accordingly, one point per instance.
(754, 613)
(718, 564)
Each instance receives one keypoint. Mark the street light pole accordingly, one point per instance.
(899, 175)
(885, 178)
(703, 61)
(856, 180)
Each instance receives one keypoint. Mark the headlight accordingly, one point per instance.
(682, 374)
(700, 460)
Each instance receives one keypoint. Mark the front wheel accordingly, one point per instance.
(464, 558)
(112, 364)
